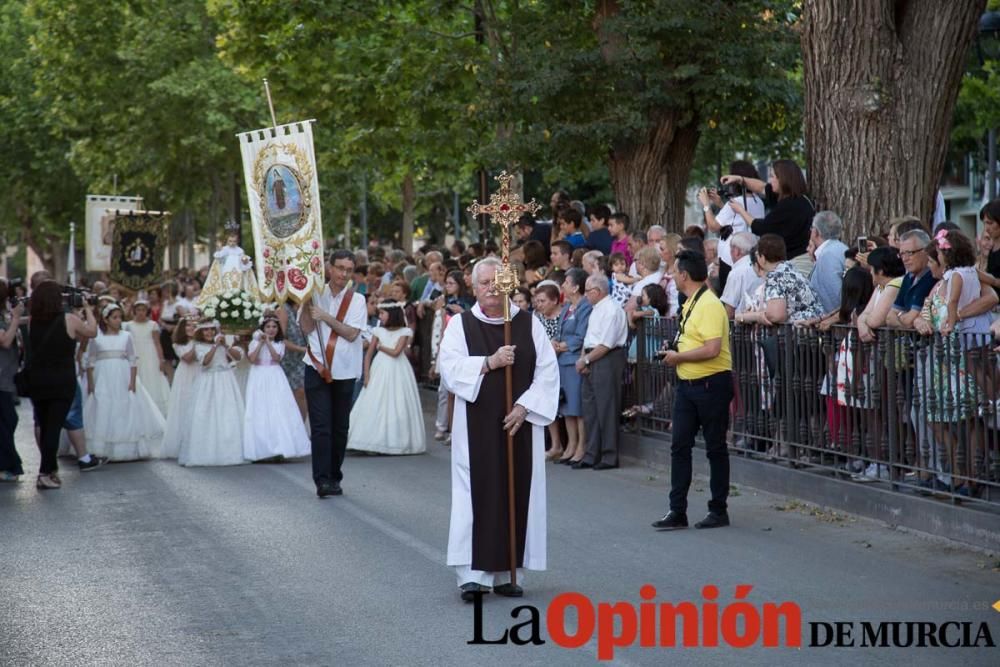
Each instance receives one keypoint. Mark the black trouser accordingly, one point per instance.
(9, 460)
(50, 413)
(329, 421)
(701, 404)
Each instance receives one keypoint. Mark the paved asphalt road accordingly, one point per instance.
(153, 564)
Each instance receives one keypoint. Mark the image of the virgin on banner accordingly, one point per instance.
(100, 228)
(137, 247)
(279, 167)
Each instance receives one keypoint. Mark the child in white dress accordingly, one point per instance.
(146, 339)
(121, 420)
(272, 427)
(387, 417)
(182, 390)
(215, 436)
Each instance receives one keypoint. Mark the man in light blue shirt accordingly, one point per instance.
(828, 273)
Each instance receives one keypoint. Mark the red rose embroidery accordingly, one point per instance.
(267, 252)
(315, 244)
(280, 281)
(297, 278)
(316, 264)
(268, 274)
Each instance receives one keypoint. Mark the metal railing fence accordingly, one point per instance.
(907, 412)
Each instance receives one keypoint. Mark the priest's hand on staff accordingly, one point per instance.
(504, 356)
(515, 419)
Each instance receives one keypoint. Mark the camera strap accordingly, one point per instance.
(686, 315)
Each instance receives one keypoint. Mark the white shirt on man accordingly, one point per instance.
(742, 282)
(607, 325)
(727, 216)
(348, 356)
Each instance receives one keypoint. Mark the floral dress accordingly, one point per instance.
(801, 300)
(950, 384)
(551, 326)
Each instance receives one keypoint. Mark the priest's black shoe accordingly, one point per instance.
(713, 520)
(470, 589)
(508, 590)
(671, 521)
(604, 466)
(581, 465)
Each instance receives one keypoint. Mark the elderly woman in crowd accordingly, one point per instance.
(787, 295)
(568, 345)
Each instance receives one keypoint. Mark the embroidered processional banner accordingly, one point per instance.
(279, 166)
(100, 229)
(139, 241)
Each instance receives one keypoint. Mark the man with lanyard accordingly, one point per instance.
(332, 323)
(704, 391)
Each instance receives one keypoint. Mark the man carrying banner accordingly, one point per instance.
(332, 323)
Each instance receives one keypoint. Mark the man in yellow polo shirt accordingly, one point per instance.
(704, 391)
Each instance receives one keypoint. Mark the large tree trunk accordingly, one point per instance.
(409, 212)
(881, 78)
(649, 174)
(650, 177)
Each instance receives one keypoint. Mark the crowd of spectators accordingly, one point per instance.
(594, 280)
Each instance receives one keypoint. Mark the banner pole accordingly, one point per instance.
(270, 104)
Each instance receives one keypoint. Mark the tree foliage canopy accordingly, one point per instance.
(405, 92)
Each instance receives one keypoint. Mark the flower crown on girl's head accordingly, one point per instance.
(391, 304)
(941, 238)
(207, 324)
(108, 309)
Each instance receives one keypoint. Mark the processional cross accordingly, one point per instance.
(505, 208)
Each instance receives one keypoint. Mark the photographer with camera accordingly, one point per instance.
(727, 221)
(704, 391)
(790, 212)
(52, 334)
(10, 462)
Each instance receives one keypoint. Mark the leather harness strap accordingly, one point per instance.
(325, 370)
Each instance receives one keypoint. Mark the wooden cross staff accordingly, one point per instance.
(505, 208)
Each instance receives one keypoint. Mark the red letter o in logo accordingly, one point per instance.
(555, 620)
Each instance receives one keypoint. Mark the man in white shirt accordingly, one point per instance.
(332, 323)
(602, 365)
(743, 279)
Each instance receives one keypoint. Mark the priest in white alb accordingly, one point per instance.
(471, 363)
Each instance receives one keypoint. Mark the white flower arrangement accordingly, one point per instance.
(237, 310)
